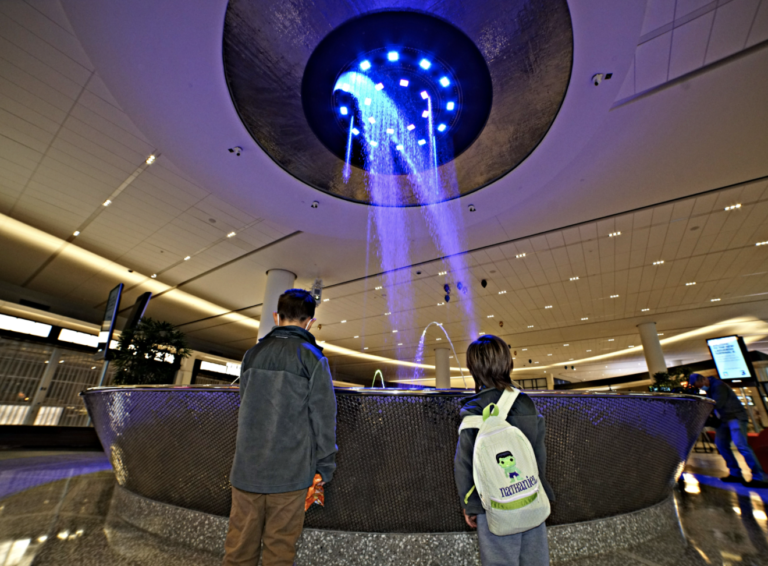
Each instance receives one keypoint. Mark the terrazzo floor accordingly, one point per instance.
(54, 511)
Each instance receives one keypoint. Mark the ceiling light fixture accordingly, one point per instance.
(574, 278)
(187, 258)
(690, 283)
(231, 235)
(489, 316)
(356, 337)
(645, 310)
(326, 300)
(733, 207)
(154, 276)
(107, 202)
(585, 318)
(399, 343)
(379, 288)
(713, 300)
(77, 233)
(502, 292)
(343, 322)
(614, 234)
(387, 313)
(151, 159)
(610, 339)
(530, 326)
(518, 256)
(762, 243)
(548, 307)
(661, 261)
(614, 296)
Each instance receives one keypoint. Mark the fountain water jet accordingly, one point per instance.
(420, 348)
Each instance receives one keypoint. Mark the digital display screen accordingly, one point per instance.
(728, 353)
(110, 314)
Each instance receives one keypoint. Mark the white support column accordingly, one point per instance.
(184, 375)
(442, 368)
(550, 381)
(654, 357)
(278, 282)
(42, 390)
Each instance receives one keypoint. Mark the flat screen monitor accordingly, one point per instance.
(108, 322)
(731, 360)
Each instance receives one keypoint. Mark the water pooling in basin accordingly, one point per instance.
(398, 107)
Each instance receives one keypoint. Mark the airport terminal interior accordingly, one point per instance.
(585, 179)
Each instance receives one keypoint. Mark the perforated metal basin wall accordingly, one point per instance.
(607, 453)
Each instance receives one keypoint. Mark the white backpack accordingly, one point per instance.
(505, 471)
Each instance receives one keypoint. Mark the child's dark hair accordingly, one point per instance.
(501, 455)
(296, 304)
(490, 363)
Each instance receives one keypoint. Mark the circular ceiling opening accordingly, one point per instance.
(494, 76)
(405, 83)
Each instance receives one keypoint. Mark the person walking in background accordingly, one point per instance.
(733, 427)
(490, 363)
(286, 434)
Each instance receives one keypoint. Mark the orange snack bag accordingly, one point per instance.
(315, 493)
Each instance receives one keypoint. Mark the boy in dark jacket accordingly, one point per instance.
(286, 434)
(490, 364)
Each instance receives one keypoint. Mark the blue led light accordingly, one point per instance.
(441, 128)
(367, 102)
(355, 131)
(374, 143)
(365, 65)
(410, 127)
(403, 82)
(424, 94)
(399, 147)
(425, 114)
(345, 87)
(450, 105)
(422, 142)
(424, 64)
(372, 120)
(393, 56)
(444, 81)
(390, 130)
(379, 86)
(343, 110)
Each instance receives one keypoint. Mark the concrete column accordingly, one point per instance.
(42, 390)
(278, 282)
(184, 375)
(654, 357)
(442, 368)
(550, 381)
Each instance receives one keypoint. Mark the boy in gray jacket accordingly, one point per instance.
(286, 434)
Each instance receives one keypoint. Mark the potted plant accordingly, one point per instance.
(671, 382)
(149, 353)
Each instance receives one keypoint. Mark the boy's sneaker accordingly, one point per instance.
(732, 479)
(756, 484)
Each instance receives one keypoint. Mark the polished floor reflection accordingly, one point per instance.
(54, 510)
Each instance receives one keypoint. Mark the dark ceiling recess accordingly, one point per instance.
(526, 47)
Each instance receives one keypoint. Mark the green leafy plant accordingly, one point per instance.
(671, 382)
(151, 353)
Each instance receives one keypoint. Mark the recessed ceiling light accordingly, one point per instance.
(380, 86)
(614, 234)
(356, 337)
(326, 300)
(394, 332)
(187, 258)
(489, 316)
(343, 321)
(399, 147)
(525, 349)
(231, 235)
(713, 300)
(610, 339)
(365, 65)
(343, 110)
(502, 292)
(387, 313)
(614, 296)
(645, 310)
(438, 339)
(450, 106)
(481, 333)
(566, 344)
(154, 276)
(390, 130)
(424, 94)
(662, 334)
(77, 233)
(107, 202)
(355, 131)
(548, 307)
(399, 343)
(440, 304)
(379, 288)
(365, 348)
(444, 81)
(574, 278)
(762, 243)
(424, 64)
(690, 283)
(589, 350)
(393, 56)
(422, 142)
(659, 262)
(410, 127)
(585, 318)
(631, 346)
(733, 207)
(518, 256)
(442, 273)
(151, 159)
(549, 354)
(530, 326)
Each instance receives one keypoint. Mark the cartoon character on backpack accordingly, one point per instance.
(507, 462)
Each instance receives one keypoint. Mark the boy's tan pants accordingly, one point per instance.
(276, 519)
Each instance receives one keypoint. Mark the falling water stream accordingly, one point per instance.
(396, 131)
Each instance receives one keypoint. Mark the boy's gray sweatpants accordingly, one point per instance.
(523, 549)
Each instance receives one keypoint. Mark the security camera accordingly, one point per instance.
(597, 79)
(237, 150)
(471, 208)
(315, 204)
(484, 283)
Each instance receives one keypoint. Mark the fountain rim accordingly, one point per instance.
(371, 391)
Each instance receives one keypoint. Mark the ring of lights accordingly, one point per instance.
(405, 55)
(280, 72)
